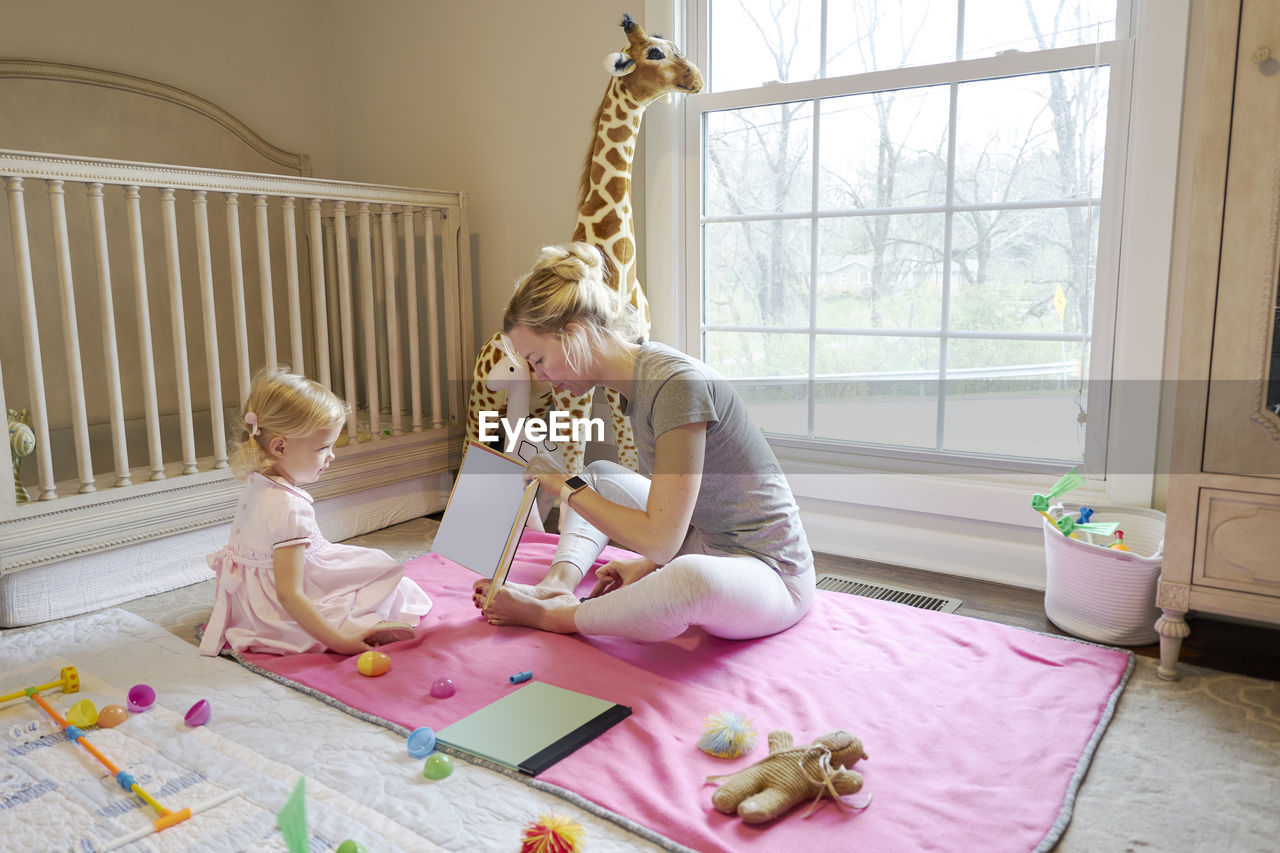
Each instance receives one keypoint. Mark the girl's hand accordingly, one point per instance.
(351, 644)
(547, 471)
(616, 574)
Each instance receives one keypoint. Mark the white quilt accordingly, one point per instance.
(361, 782)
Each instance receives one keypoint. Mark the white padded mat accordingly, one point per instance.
(361, 782)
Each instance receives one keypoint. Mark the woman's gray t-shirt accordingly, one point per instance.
(745, 505)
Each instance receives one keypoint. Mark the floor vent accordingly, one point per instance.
(909, 597)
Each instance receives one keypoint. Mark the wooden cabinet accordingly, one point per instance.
(1222, 543)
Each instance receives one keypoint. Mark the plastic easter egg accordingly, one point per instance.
(373, 663)
(141, 698)
(111, 716)
(350, 846)
(437, 766)
(421, 742)
(442, 688)
(82, 714)
(199, 713)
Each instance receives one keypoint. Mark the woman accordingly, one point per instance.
(712, 515)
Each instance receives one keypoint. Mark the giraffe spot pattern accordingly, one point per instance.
(616, 160)
(609, 225)
(618, 187)
(594, 204)
(620, 133)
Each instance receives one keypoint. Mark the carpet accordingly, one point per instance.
(978, 734)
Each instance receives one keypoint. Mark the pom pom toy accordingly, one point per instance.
(553, 833)
(727, 734)
(773, 785)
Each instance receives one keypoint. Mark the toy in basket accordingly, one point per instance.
(1068, 525)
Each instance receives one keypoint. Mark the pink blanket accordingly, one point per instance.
(978, 733)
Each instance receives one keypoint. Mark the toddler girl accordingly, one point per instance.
(282, 587)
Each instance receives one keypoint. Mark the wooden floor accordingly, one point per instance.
(1227, 646)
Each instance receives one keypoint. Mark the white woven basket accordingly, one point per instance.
(1099, 593)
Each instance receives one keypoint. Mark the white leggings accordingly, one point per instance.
(733, 596)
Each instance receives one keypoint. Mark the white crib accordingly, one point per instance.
(138, 300)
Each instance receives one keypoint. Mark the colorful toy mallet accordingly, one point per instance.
(69, 681)
(1067, 525)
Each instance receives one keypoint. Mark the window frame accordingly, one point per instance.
(1118, 54)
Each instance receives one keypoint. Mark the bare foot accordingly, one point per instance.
(480, 589)
(516, 604)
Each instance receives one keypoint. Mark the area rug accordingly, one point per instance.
(978, 734)
(55, 796)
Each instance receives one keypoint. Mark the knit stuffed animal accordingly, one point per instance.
(771, 786)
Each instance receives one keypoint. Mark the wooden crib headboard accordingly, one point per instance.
(61, 108)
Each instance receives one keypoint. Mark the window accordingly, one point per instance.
(905, 236)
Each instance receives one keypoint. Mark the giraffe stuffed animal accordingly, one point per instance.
(648, 68)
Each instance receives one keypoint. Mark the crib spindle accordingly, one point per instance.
(364, 249)
(319, 313)
(31, 336)
(392, 316)
(347, 318)
(411, 316)
(331, 301)
(380, 308)
(178, 323)
(213, 370)
(71, 335)
(142, 310)
(291, 277)
(433, 316)
(239, 321)
(265, 294)
(110, 351)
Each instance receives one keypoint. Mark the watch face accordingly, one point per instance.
(576, 483)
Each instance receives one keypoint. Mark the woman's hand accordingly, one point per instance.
(616, 574)
(546, 469)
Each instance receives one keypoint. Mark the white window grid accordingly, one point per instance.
(1116, 54)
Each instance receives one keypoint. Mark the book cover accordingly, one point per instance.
(533, 727)
(486, 513)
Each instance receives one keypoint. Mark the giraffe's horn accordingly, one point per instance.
(635, 34)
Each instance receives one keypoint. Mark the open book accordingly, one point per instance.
(486, 513)
(534, 727)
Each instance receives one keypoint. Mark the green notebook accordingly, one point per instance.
(533, 727)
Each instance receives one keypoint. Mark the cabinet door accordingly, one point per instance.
(1242, 430)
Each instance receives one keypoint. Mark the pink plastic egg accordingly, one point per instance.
(141, 697)
(111, 716)
(442, 688)
(198, 714)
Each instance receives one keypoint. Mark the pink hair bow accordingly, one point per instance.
(252, 420)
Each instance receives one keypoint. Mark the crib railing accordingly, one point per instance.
(135, 313)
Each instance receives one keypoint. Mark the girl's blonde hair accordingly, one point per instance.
(281, 403)
(567, 286)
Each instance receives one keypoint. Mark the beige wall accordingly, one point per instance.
(494, 98)
(264, 62)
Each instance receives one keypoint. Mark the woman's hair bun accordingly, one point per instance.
(571, 261)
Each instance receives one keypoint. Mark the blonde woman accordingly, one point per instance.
(282, 587)
(711, 514)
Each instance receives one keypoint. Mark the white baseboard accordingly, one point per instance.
(975, 549)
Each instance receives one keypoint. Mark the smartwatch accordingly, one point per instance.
(571, 486)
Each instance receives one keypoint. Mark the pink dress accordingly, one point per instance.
(351, 586)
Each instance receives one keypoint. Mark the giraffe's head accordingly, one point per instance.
(650, 66)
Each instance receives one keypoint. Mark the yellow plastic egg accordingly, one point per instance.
(111, 716)
(82, 714)
(373, 663)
